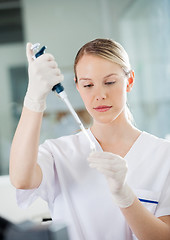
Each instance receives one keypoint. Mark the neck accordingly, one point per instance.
(117, 131)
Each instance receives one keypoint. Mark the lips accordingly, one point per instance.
(102, 108)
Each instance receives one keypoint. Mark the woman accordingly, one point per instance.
(93, 193)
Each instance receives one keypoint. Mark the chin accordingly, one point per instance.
(105, 120)
(108, 118)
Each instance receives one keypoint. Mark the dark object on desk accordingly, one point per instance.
(32, 231)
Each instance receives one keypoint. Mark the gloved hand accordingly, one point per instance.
(114, 168)
(43, 75)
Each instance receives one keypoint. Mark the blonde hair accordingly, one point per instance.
(110, 50)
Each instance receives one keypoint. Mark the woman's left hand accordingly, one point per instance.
(114, 168)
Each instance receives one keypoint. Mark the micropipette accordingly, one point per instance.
(60, 92)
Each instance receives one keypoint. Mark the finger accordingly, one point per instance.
(29, 52)
(117, 176)
(47, 57)
(106, 172)
(53, 64)
(107, 161)
(57, 79)
(58, 73)
(113, 168)
(107, 155)
(109, 168)
(101, 154)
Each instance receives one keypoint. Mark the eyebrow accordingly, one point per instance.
(107, 76)
(110, 75)
(84, 79)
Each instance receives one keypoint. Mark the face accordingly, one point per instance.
(103, 87)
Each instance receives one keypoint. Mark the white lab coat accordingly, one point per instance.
(80, 196)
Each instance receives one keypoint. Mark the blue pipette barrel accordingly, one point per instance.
(58, 87)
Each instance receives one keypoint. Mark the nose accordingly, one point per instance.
(100, 94)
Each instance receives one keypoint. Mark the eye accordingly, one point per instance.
(88, 85)
(110, 83)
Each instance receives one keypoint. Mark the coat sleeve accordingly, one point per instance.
(163, 207)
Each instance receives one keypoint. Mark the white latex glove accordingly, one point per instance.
(114, 168)
(43, 75)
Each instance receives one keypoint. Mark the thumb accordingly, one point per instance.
(29, 52)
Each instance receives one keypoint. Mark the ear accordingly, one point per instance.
(76, 84)
(130, 81)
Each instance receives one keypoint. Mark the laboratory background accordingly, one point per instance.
(141, 26)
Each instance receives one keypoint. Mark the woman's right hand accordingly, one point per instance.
(43, 74)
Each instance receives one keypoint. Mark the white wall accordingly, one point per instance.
(62, 25)
(145, 33)
(10, 55)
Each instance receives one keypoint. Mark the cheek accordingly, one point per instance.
(119, 95)
(85, 97)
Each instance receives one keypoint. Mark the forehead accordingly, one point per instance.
(91, 64)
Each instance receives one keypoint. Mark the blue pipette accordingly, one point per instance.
(60, 91)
